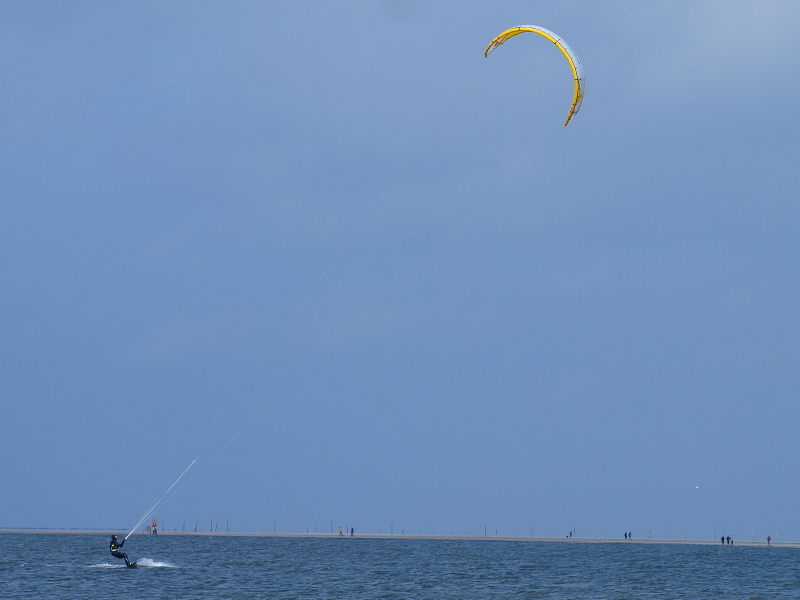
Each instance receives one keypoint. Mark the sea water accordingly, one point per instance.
(67, 566)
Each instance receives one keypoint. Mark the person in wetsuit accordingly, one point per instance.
(115, 546)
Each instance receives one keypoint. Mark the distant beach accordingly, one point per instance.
(389, 536)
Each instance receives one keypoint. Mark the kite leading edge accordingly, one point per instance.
(574, 62)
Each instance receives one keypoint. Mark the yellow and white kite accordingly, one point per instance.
(574, 62)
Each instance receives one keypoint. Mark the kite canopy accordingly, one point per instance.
(574, 62)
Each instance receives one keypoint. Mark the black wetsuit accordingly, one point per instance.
(114, 547)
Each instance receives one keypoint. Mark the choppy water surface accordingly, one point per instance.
(79, 566)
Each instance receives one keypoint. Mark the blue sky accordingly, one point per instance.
(611, 342)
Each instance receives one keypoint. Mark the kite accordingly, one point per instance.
(574, 62)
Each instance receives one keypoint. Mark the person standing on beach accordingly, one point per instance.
(352, 531)
(768, 539)
(115, 546)
(340, 532)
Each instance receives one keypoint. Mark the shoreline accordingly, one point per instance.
(388, 536)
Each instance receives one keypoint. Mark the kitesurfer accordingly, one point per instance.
(115, 546)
